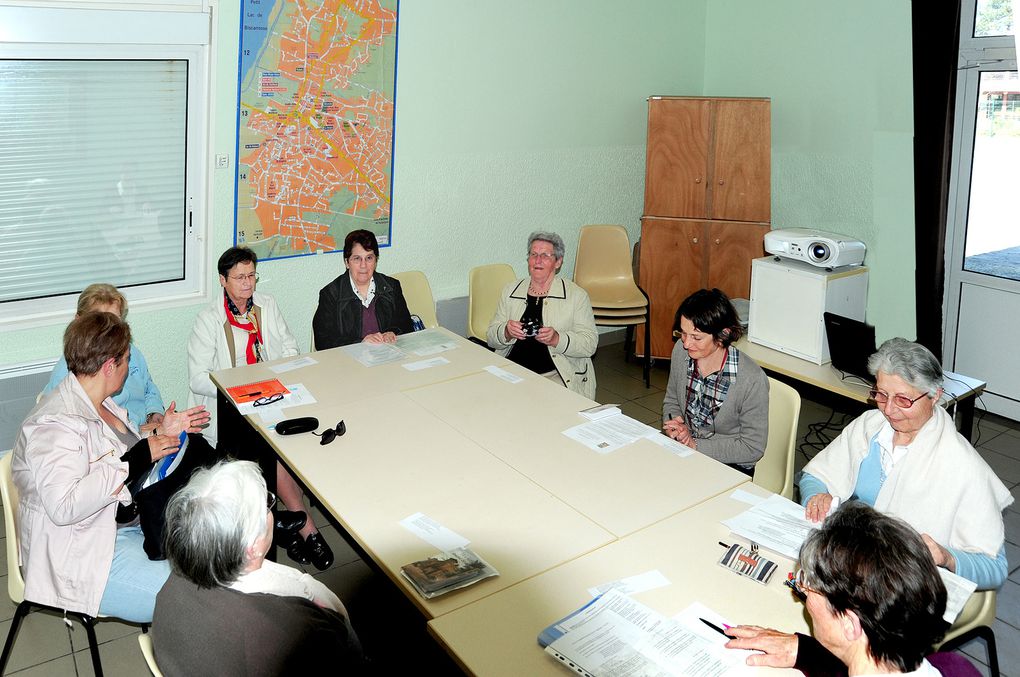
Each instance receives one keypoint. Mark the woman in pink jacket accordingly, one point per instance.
(74, 456)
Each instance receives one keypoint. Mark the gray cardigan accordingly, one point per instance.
(742, 423)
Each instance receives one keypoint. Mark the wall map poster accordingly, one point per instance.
(315, 123)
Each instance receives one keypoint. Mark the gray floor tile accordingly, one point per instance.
(107, 630)
(1007, 605)
(1007, 444)
(651, 401)
(604, 395)
(1007, 468)
(60, 667)
(621, 384)
(347, 580)
(636, 411)
(121, 658)
(7, 607)
(1013, 557)
(1012, 521)
(41, 638)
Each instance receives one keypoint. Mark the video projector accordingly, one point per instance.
(821, 249)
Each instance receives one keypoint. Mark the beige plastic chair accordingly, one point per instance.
(145, 642)
(16, 583)
(418, 294)
(975, 621)
(485, 284)
(604, 268)
(775, 469)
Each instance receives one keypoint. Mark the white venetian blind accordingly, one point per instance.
(92, 174)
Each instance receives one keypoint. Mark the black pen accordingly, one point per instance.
(715, 627)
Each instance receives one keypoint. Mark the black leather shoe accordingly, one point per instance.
(298, 550)
(289, 522)
(318, 551)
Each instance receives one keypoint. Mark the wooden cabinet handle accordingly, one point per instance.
(720, 182)
(697, 180)
(717, 241)
(694, 240)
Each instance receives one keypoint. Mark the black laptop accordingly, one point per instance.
(851, 343)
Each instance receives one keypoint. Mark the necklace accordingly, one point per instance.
(533, 290)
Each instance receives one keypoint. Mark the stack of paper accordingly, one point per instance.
(776, 523)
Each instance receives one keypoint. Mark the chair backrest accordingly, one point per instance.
(418, 294)
(775, 469)
(9, 495)
(485, 283)
(145, 642)
(603, 253)
(977, 612)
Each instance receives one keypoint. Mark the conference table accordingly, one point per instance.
(482, 453)
(959, 391)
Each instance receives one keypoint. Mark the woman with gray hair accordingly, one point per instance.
(226, 609)
(546, 323)
(906, 459)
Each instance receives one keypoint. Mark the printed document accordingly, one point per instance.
(776, 523)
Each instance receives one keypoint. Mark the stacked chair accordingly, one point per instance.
(485, 284)
(603, 269)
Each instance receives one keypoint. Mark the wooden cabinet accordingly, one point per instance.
(707, 201)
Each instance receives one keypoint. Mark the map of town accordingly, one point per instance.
(315, 123)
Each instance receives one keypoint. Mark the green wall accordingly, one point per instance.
(839, 75)
(511, 116)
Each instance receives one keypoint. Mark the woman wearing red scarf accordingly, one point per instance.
(244, 327)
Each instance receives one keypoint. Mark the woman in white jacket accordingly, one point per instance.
(245, 327)
(546, 323)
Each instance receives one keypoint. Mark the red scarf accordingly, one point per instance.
(253, 352)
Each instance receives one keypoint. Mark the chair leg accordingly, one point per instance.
(984, 632)
(628, 343)
(648, 351)
(90, 631)
(19, 615)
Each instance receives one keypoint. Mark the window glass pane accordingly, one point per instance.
(993, 219)
(92, 182)
(994, 17)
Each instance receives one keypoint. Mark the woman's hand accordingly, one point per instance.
(514, 331)
(779, 649)
(942, 557)
(818, 507)
(190, 420)
(548, 336)
(676, 429)
(380, 337)
(162, 445)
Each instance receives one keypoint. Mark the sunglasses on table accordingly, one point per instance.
(331, 434)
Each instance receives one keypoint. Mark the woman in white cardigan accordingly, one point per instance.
(244, 327)
(546, 323)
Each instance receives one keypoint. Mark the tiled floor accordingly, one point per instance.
(45, 646)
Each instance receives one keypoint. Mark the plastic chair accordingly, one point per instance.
(16, 584)
(975, 621)
(485, 284)
(145, 642)
(774, 471)
(418, 294)
(604, 268)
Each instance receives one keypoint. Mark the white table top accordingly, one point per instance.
(497, 635)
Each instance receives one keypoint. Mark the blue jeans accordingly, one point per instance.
(134, 580)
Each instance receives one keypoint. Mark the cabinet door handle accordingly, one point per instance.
(697, 180)
(720, 182)
(694, 240)
(717, 241)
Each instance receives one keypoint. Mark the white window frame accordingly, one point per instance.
(31, 32)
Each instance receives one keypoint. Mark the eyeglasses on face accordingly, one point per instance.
(901, 401)
(332, 433)
(541, 256)
(798, 583)
(270, 500)
(250, 277)
(263, 401)
(368, 259)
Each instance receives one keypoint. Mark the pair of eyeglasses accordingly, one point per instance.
(541, 256)
(263, 401)
(798, 583)
(250, 277)
(901, 401)
(332, 433)
(270, 500)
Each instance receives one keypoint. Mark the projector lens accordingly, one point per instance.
(819, 252)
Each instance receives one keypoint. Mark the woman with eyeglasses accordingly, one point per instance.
(361, 305)
(242, 327)
(226, 609)
(717, 398)
(907, 459)
(546, 323)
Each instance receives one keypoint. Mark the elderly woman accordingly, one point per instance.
(717, 398)
(362, 304)
(907, 459)
(139, 396)
(226, 610)
(875, 599)
(545, 323)
(74, 457)
(245, 327)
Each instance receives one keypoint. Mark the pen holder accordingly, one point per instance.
(749, 563)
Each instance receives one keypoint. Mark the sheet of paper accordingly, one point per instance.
(671, 445)
(299, 363)
(374, 354)
(691, 619)
(633, 584)
(958, 591)
(434, 533)
(776, 523)
(617, 636)
(609, 434)
(426, 342)
(503, 374)
(297, 397)
(746, 497)
(600, 411)
(425, 364)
